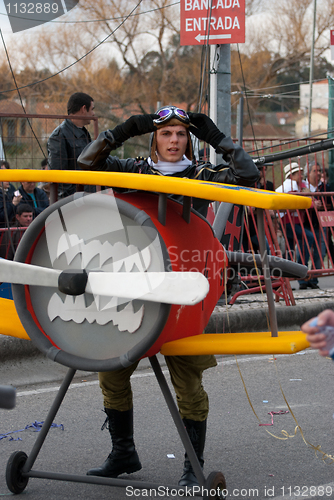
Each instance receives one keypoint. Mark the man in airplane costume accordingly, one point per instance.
(171, 155)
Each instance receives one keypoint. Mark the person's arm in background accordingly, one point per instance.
(318, 340)
(10, 207)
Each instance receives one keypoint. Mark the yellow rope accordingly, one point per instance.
(317, 449)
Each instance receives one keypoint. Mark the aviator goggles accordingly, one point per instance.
(167, 113)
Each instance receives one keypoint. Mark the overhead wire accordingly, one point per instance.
(205, 51)
(18, 91)
(252, 93)
(77, 60)
(247, 103)
(54, 21)
(203, 87)
(17, 88)
(288, 84)
(307, 138)
(201, 90)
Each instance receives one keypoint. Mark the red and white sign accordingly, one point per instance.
(326, 218)
(212, 22)
(332, 44)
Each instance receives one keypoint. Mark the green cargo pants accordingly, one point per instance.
(186, 376)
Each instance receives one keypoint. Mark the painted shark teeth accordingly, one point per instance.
(123, 256)
(74, 309)
(102, 310)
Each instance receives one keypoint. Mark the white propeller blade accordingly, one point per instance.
(27, 274)
(184, 288)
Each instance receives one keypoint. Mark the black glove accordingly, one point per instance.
(135, 125)
(204, 129)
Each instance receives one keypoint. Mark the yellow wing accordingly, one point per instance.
(186, 187)
(10, 323)
(237, 343)
(241, 343)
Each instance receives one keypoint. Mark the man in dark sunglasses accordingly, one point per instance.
(171, 155)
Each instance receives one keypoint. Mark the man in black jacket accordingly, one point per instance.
(68, 140)
(171, 155)
(23, 218)
(33, 196)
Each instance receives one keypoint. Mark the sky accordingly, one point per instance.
(5, 25)
(4, 22)
(10, 37)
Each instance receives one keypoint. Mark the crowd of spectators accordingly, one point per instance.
(18, 207)
(306, 237)
(300, 234)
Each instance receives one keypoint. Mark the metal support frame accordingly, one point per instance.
(49, 420)
(186, 212)
(221, 218)
(162, 208)
(27, 471)
(53, 193)
(266, 273)
(177, 420)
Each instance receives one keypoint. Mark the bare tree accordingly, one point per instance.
(141, 62)
(286, 33)
(141, 40)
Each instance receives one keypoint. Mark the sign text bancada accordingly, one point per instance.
(212, 21)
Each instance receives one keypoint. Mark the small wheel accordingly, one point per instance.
(15, 481)
(215, 486)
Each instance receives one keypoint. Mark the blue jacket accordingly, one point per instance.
(41, 198)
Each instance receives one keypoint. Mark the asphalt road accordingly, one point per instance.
(255, 463)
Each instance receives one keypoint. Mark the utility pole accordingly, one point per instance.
(220, 90)
(311, 68)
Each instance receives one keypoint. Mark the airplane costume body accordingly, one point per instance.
(172, 125)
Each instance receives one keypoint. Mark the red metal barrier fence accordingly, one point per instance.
(304, 236)
(9, 240)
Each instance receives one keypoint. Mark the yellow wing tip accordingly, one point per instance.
(237, 343)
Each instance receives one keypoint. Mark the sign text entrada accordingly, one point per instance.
(212, 21)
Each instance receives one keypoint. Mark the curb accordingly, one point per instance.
(22, 364)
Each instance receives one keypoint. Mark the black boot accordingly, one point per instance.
(123, 457)
(197, 432)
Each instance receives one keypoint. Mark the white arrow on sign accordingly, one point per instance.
(199, 37)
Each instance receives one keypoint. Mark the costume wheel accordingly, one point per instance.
(215, 486)
(15, 481)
